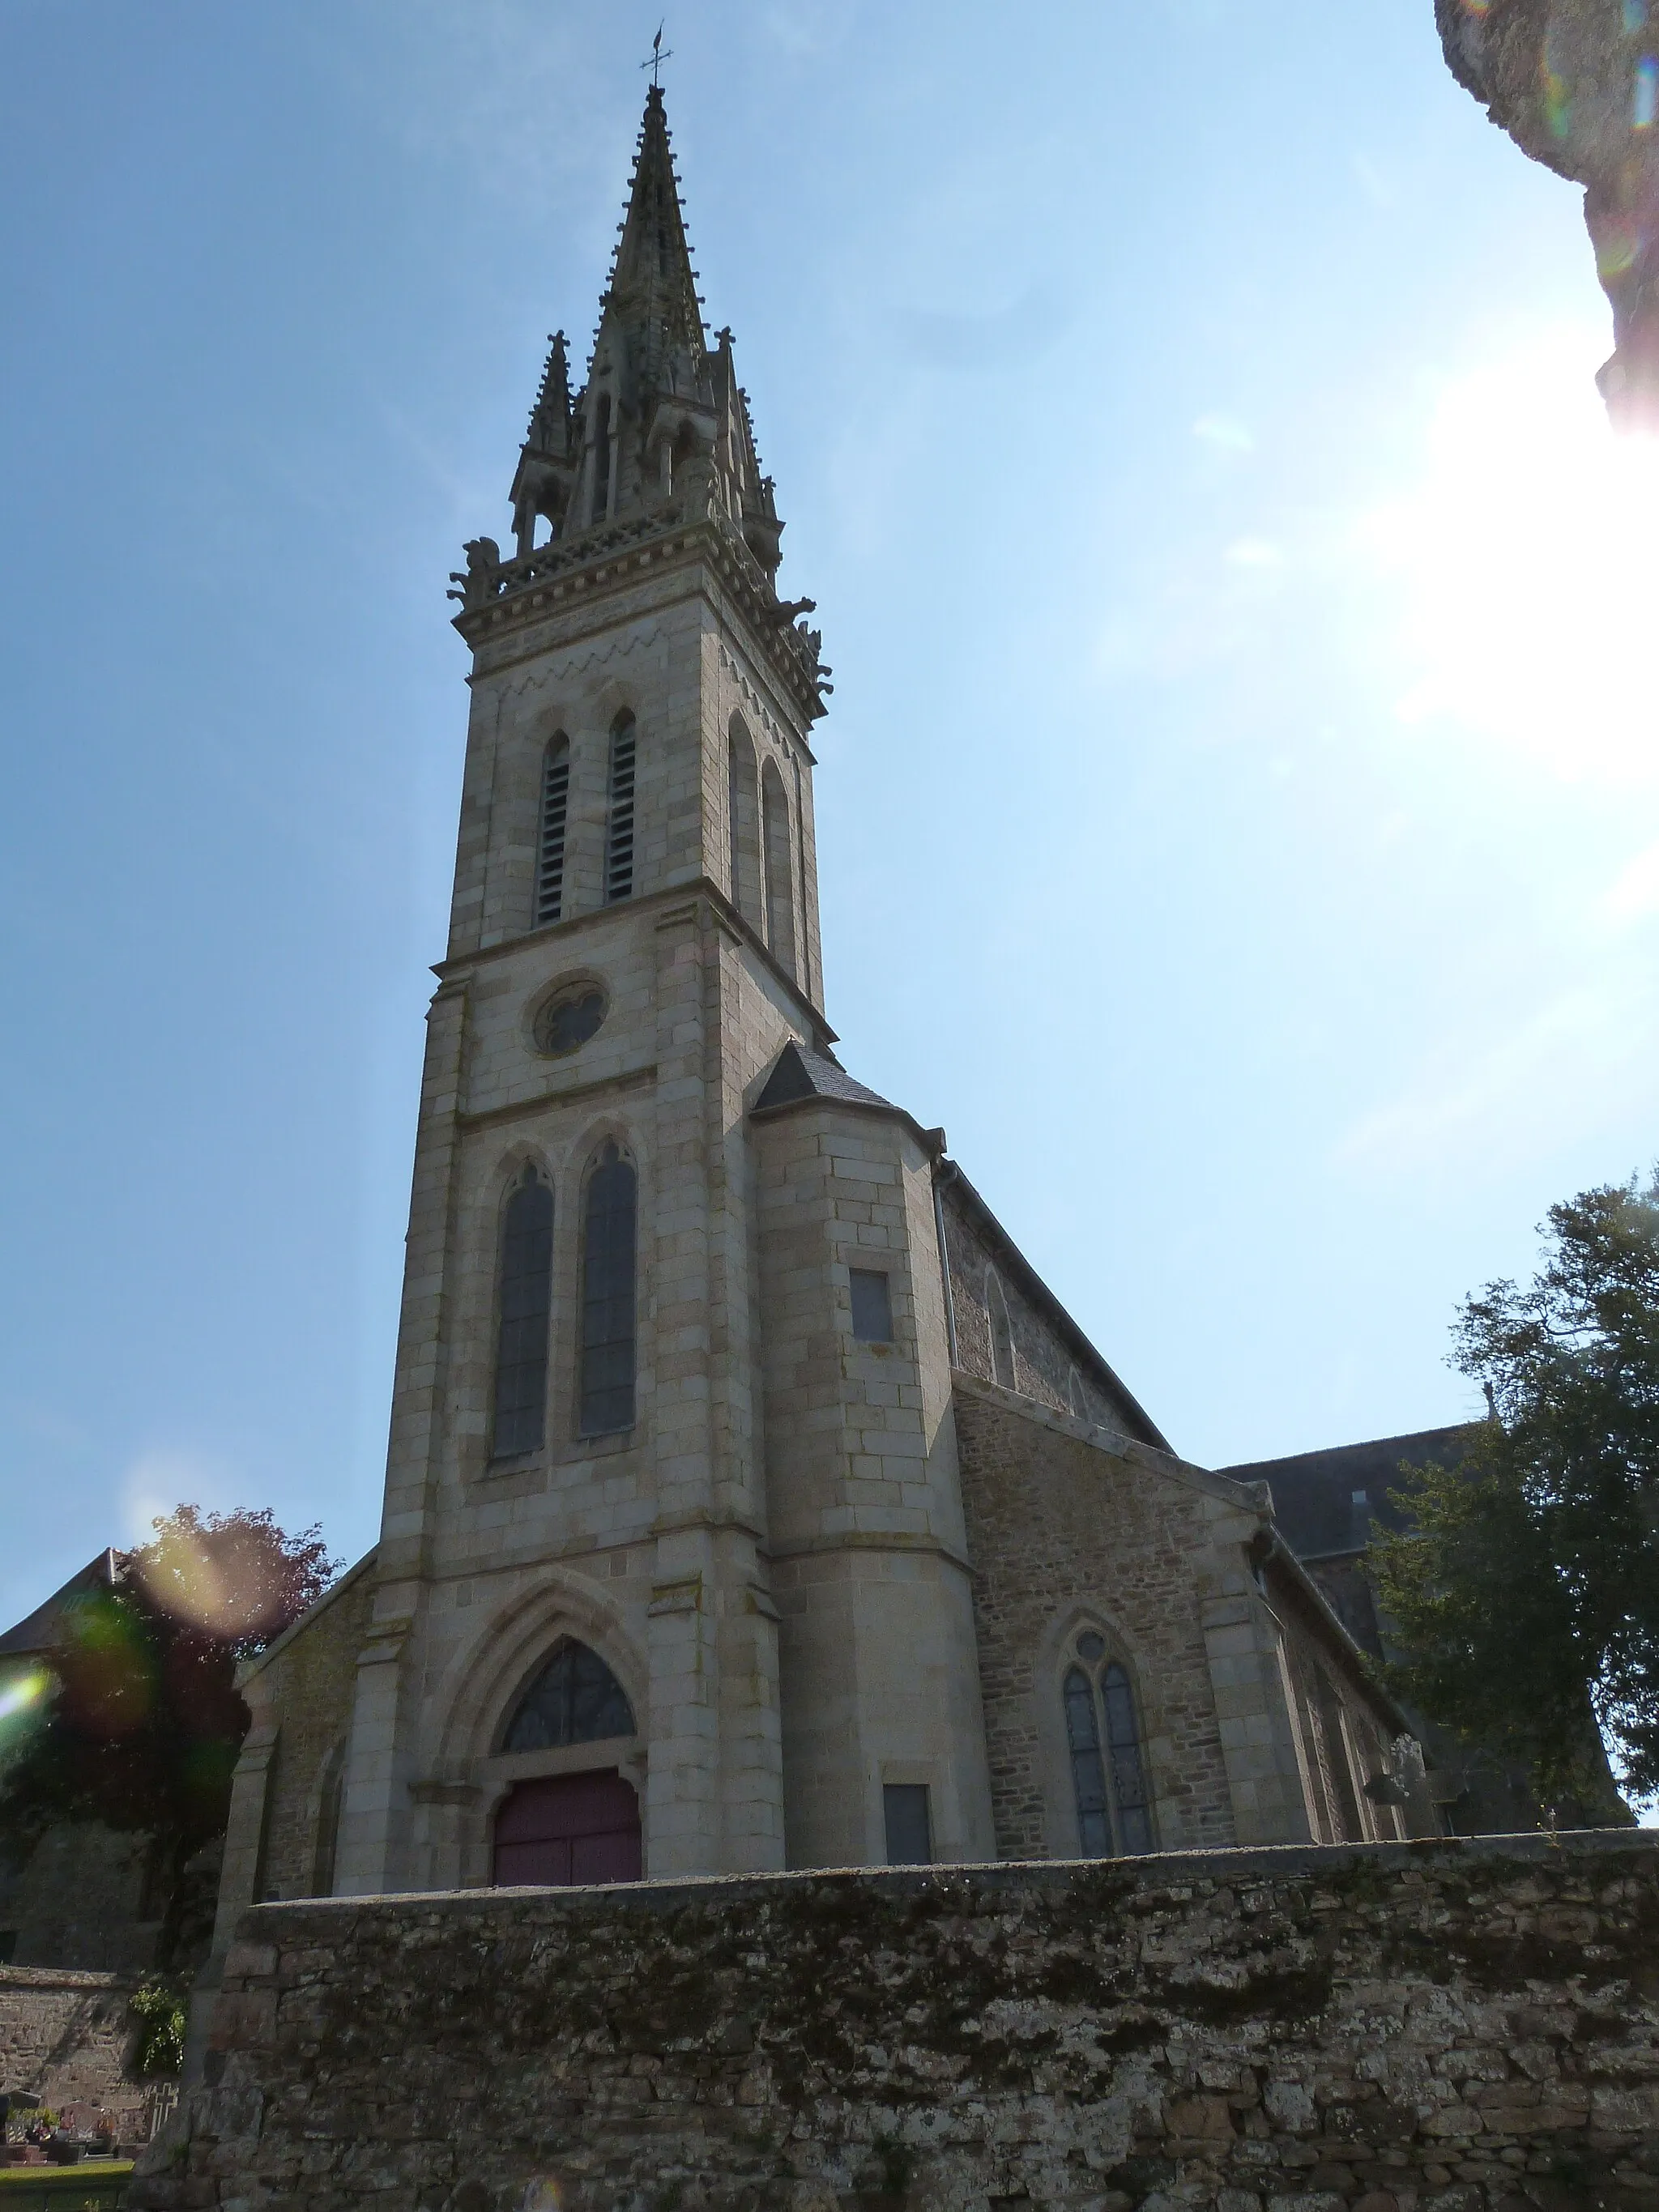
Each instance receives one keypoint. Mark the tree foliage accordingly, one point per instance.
(1527, 1594)
(142, 1722)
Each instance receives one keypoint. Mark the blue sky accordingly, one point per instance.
(1236, 817)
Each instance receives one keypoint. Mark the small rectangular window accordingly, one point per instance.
(909, 1831)
(872, 1307)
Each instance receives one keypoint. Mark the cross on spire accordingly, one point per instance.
(658, 57)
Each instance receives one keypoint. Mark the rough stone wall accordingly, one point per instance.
(78, 1900)
(310, 1682)
(1454, 2027)
(1046, 1367)
(1057, 1529)
(67, 2039)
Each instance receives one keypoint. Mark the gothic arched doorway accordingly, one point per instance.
(568, 1828)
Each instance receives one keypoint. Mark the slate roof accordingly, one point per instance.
(1324, 1502)
(802, 1074)
(38, 1630)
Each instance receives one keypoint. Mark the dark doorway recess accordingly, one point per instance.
(568, 1828)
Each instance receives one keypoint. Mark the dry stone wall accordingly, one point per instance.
(1444, 2027)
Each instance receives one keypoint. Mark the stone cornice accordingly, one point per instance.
(627, 1078)
(455, 968)
(612, 555)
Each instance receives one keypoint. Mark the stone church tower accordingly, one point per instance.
(751, 1501)
(613, 1421)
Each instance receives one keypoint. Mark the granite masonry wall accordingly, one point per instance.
(67, 2039)
(1431, 2027)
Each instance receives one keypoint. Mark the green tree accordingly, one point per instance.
(141, 1722)
(1526, 1595)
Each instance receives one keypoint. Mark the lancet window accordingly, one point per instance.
(575, 1698)
(1109, 1768)
(619, 821)
(743, 812)
(601, 460)
(780, 879)
(550, 855)
(526, 1303)
(608, 1295)
(1002, 1335)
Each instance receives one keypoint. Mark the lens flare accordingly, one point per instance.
(22, 1692)
(543, 2194)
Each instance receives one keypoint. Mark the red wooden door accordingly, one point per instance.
(568, 1828)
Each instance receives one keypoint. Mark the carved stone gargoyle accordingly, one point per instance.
(480, 580)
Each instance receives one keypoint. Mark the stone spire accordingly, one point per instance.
(661, 427)
(542, 484)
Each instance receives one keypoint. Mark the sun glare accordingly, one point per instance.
(22, 1692)
(1527, 562)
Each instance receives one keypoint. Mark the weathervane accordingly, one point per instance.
(658, 57)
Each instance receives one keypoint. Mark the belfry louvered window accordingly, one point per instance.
(619, 821)
(1102, 1737)
(550, 853)
(527, 1303)
(608, 1305)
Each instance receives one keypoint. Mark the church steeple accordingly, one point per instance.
(661, 427)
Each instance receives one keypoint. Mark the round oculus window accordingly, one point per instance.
(1091, 1646)
(569, 1018)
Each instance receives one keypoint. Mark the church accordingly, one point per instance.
(751, 1502)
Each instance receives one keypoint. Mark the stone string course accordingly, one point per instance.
(1444, 2027)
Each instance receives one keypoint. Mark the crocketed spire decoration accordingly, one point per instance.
(661, 425)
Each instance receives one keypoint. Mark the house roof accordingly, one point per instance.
(39, 1630)
(1325, 1502)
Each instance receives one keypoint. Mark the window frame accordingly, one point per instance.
(530, 1179)
(1128, 1823)
(552, 842)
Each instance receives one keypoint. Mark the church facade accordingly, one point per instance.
(751, 1502)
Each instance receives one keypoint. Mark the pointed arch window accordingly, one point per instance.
(1077, 1398)
(575, 1698)
(1002, 1335)
(1103, 1736)
(743, 820)
(526, 1305)
(601, 506)
(619, 819)
(780, 877)
(550, 852)
(608, 1300)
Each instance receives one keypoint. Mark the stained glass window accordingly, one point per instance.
(570, 1019)
(526, 1298)
(1088, 1774)
(575, 1698)
(607, 1383)
(1108, 1773)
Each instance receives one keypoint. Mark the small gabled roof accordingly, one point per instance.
(40, 1629)
(801, 1074)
